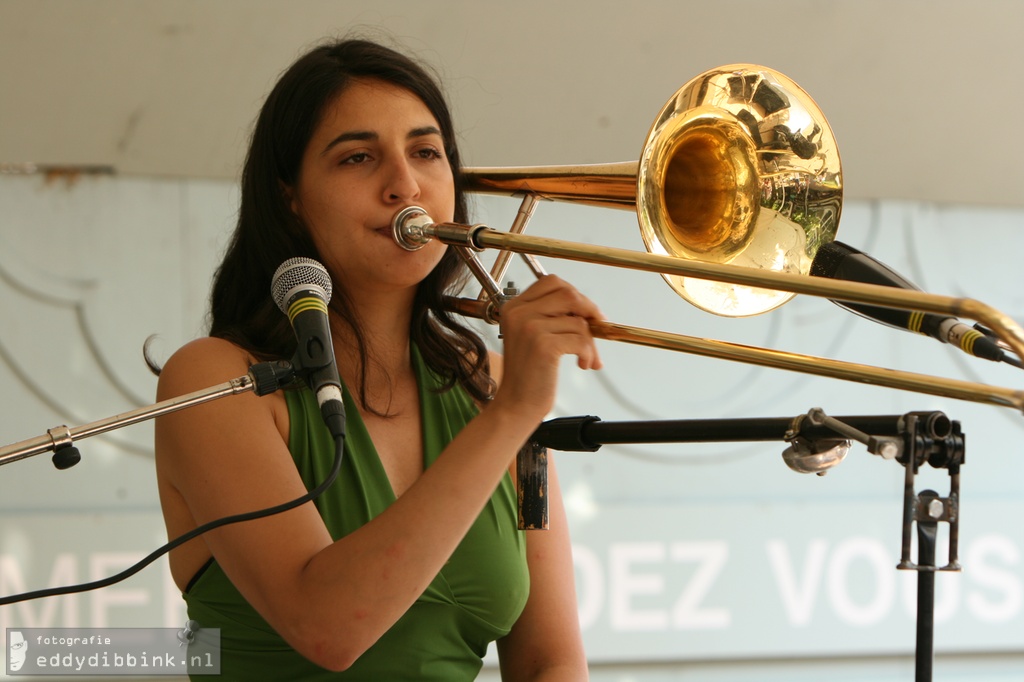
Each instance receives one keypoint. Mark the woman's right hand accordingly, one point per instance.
(539, 326)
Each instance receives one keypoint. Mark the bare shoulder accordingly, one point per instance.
(201, 363)
(207, 363)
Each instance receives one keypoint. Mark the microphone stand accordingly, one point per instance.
(263, 378)
(817, 442)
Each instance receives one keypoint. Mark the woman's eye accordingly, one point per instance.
(358, 157)
(429, 153)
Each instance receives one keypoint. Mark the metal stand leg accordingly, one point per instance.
(927, 530)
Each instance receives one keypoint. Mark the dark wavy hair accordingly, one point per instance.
(268, 232)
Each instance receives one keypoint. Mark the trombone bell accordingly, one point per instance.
(740, 167)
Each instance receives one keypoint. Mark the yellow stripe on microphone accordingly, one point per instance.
(915, 321)
(301, 305)
(968, 339)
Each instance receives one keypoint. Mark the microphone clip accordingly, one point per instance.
(268, 377)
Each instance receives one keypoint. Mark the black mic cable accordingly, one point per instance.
(837, 260)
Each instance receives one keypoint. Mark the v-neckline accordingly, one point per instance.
(359, 425)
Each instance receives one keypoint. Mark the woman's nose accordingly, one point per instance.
(401, 183)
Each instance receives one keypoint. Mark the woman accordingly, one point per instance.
(410, 564)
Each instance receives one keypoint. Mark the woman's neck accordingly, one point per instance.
(384, 322)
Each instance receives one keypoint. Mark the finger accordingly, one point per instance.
(583, 345)
(555, 297)
(541, 287)
(561, 335)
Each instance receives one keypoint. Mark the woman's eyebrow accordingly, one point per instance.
(363, 135)
(425, 130)
(349, 136)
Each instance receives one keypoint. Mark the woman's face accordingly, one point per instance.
(377, 150)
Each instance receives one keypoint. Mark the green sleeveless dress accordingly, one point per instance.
(475, 599)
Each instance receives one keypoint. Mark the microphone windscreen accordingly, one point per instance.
(837, 260)
(829, 258)
(296, 274)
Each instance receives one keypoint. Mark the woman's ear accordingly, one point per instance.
(289, 195)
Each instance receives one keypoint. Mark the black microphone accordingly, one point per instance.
(302, 289)
(836, 260)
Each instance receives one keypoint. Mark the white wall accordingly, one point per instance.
(920, 93)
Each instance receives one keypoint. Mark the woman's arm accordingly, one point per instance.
(545, 643)
(231, 456)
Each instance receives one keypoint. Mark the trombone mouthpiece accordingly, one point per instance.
(408, 228)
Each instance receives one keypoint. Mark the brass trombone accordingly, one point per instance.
(737, 186)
